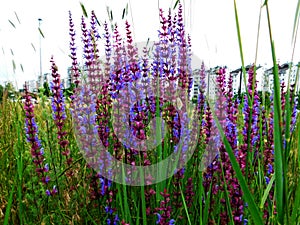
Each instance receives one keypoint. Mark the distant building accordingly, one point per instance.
(47, 77)
(284, 71)
(32, 85)
(70, 77)
(239, 82)
(211, 89)
(196, 83)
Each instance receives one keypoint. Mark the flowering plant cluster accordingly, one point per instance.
(112, 110)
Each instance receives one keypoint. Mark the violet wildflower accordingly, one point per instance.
(172, 222)
(182, 59)
(87, 45)
(222, 164)
(294, 115)
(59, 112)
(176, 192)
(189, 192)
(269, 143)
(132, 70)
(165, 208)
(52, 192)
(94, 69)
(31, 130)
(75, 70)
(158, 218)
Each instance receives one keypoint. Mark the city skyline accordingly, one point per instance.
(211, 25)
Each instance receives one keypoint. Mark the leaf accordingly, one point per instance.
(240, 46)
(17, 18)
(12, 23)
(123, 14)
(21, 66)
(295, 210)
(107, 10)
(279, 165)
(111, 15)
(267, 191)
(185, 206)
(98, 22)
(296, 21)
(265, 3)
(83, 10)
(11, 51)
(41, 33)
(14, 65)
(10, 201)
(176, 3)
(33, 47)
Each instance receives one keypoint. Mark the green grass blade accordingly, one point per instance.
(176, 3)
(143, 199)
(17, 17)
(41, 32)
(266, 192)
(9, 203)
(83, 9)
(296, 211)
(126, 206)
(278, 148)
(240, 46)
(185, 206)
(206, 205)
(11, 23)
(296, 21)
(123, 14)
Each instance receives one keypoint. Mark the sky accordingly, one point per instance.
(211, 25)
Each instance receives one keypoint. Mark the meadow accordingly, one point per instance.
(234, 160)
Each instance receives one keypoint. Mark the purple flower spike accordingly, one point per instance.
(31, 130)
(75, 70)
(59, 114)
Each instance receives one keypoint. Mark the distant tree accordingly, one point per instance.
(1, 92)
(10, 90)
(68, 92)
(46, 89)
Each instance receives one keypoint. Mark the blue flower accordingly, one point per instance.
(267, 180)
(47, 179)
(48, 193)
(108, 210)
(172, 222)
(102, 186)
(46, 167)
(158, 218)
(270, 169)
(116, 219)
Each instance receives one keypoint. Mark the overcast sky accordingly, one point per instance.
(211, 24)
